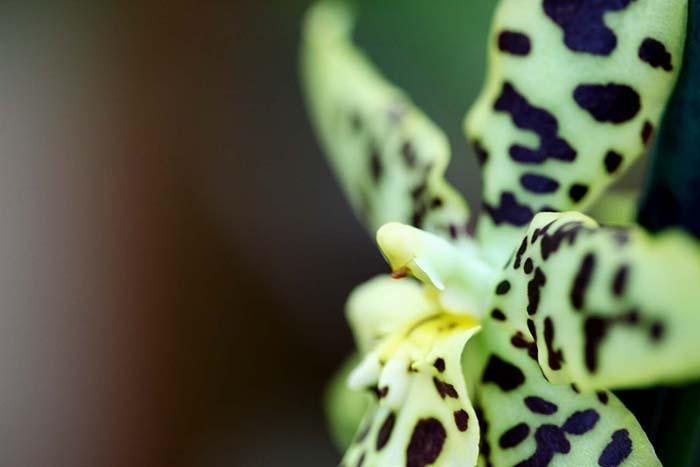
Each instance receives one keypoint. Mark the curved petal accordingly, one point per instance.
(606, 307)
(527, 421)
(459, 279)
(573, 95)
(389, 158)
(423, 415)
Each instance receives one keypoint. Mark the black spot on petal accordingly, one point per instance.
(426, 443)
(583, 25)
(445, 389)
(655, 54)
(461, 420)
(533, 291)
(577, 192)
(503, 287)
(619, 448)
(514, 436)
(539, 184)
(647, 132)
(540, 406)
(608, 103)
(509, 211)
(582, 281)
(612, 161)
(498, 315)
(581, 422)
(385, 431)
(515, 43)
(439, 365)
(502, 373)
(528, 117)
(620, 280)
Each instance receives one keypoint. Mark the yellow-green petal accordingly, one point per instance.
(573, 95)
(527, 421)
(423, 415)
(388, 156)
(608, 307)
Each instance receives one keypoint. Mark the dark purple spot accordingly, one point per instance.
(581, 422)
(655, 54)
(461, 420)
(505, 375)
(577, 192)
(503, 287)
(582, 281)
(603, 397)
(426, 443)
(528, 267)
(620, 280)
(555, 357)
(619, 448)
(439, 365)
(613, 103)
(613, 160)
(515, 43)
(445, 389)
(647, 132)
(514, 436)
(540, 406)
(539, 184)
(550, 440)
(533, 291)
(528, 117)
(583, 25)
(436, 203)
(509, 211)
(498, 315)
(595, 329)
(518, 341)
(385, 431)
(567, 232)
(519, 254)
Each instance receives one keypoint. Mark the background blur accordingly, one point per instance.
(175, 252)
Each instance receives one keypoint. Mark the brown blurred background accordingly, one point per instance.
(175, 252)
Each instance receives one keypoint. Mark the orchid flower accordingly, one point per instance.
(501, 347)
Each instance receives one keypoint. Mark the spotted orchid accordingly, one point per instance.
(501, 347)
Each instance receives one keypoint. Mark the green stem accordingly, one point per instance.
(671, 416)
